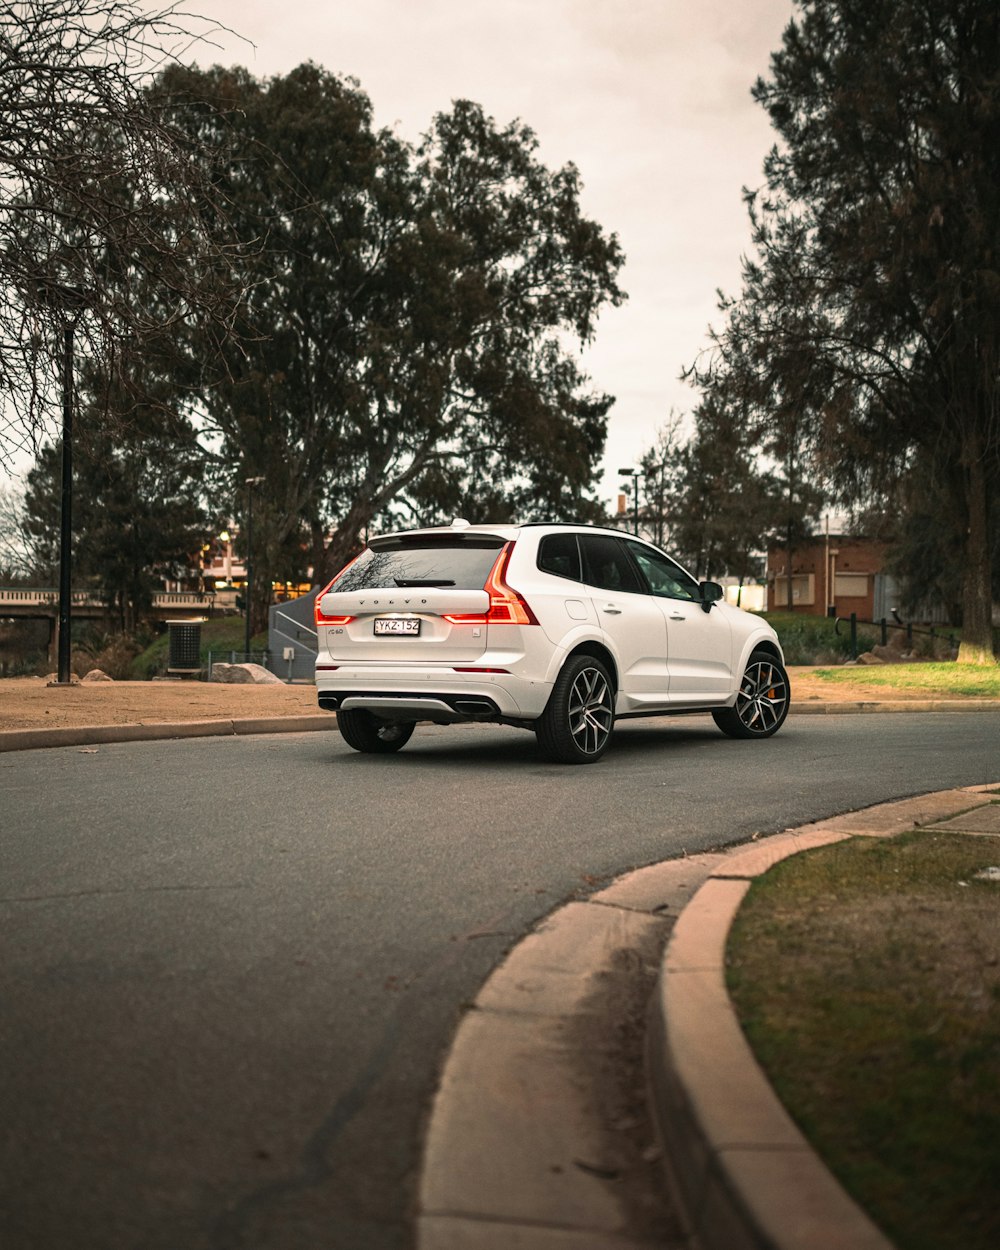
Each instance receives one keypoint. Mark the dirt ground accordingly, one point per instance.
(28, 703)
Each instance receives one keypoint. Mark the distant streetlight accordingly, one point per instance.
(635, 474)
(251, 482)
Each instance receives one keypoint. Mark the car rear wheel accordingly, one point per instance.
(364, 732)
(762, 703)
(575, 727)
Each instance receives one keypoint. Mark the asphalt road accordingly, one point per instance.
(232, 967)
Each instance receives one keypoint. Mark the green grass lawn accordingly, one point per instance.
(941, 679)
(866, 976)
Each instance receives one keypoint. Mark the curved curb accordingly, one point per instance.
(90, 735)
(525, 1148)
(520, 1151)
(746, 1176)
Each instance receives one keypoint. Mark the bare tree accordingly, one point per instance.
(101, 202)
(16, 556)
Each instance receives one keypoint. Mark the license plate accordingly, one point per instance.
(393, 626)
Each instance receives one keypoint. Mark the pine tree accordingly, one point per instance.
(873, 298)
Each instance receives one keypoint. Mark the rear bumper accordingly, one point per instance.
(441, 708)
(408, 693)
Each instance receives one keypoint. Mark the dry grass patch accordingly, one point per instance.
(867, 978)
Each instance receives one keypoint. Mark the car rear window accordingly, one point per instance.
(464, 564)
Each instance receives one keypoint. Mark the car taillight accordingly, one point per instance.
(507, 607)
(321, 618)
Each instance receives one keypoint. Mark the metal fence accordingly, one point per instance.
(884, 625)
(238, 657)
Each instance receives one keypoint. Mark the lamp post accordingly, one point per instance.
(68, 302)
(66, 510)
(635, 474)
(251, 482)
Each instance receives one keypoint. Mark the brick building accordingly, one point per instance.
(832, 575)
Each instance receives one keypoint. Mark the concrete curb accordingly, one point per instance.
(522, 1151)
(92, 735)
(89, 735)
(892, 705)
(747, 1178)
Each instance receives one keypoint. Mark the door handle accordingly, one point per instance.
(678, 616)
(612, 609)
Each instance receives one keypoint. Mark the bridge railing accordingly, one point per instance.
(47, 596)
(36, 597)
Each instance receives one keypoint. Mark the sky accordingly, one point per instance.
(650, 99)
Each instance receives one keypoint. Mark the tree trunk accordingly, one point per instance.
(789, 552)
(977, 594)
(264, 573)
(343, 547)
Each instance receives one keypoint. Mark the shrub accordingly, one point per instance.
(111, 653)
(809, 639)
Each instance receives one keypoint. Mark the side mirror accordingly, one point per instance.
(711, 592)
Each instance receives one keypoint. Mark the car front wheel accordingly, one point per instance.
(575, 727)
(364, 732)
(762, 703)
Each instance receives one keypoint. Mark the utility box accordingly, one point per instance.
(185, 647)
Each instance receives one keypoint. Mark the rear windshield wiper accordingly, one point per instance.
(423, 581)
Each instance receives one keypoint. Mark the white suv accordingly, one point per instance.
(557, 628)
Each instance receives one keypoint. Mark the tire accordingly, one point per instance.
(576, 726)
(364, 732)
(762, 702)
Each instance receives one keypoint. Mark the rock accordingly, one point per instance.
(869, 657)
(245, 674)
(96, 674)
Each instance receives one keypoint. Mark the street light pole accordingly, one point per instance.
(634, 474)
(66, 510)
(251, 482)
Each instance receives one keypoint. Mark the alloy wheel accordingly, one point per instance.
(591, 713)
(763, 697)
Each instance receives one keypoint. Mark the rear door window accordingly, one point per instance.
(464, 565)
(559, 554)
(606, 564)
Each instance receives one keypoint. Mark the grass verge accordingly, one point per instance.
(866, 976)
(939, 680)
